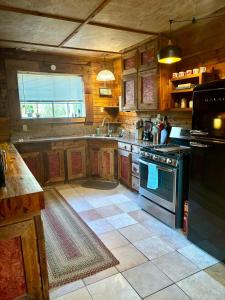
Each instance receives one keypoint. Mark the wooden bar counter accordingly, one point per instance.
(23, 269)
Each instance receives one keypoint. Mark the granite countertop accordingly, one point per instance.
(74, 137)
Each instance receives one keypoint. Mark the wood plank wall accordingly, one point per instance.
(12, 59)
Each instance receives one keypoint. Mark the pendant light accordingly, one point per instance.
(105, 75)
(169, 54)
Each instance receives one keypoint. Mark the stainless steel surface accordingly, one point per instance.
(199, 145)
(158, 158)
(198, 132)
(157, 211)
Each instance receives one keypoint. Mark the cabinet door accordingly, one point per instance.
(76, 162)
(107, 163)
(124, 159)
(35, 164)
(20, 268)
(129, 92)
(95, 161)
(148, 90)
(54, 166)
(147, 56)
(129, 62)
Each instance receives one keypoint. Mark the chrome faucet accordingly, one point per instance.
(103, 124)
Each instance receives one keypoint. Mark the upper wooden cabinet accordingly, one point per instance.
(129, 92)
(148, 88)
(147, 56)
(54, 163)
(129, 63)
(76, 162)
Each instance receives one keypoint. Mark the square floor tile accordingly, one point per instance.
(156, 227)
(139, 215)
(172, 292)
(65, 289)
(90, 215)
(81, 294)
(109, 210)
(175, 239)
(100, 275)
(121, 220)
(113, 239)
(198, 256)
(128, 206)
(175, 266)
(135, 232)
(146, 279)
(97, 202)
(153, 247)
(80, 205)
(118, 198)
(201, 286)
(100, 226)
(129, 257)
(217, 272)
(113, 288)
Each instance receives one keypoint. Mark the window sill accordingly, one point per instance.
(53, 121)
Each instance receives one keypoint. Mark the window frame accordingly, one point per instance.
(52, 120)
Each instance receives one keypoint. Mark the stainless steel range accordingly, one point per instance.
(164, 178)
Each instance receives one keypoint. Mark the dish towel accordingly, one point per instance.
(153, 177)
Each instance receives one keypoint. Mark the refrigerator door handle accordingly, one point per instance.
(198, 132)
(199, 145)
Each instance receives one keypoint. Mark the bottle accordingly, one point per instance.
(97, 131)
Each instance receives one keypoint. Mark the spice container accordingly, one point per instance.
(183, 103)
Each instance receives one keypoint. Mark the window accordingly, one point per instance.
(44, 95)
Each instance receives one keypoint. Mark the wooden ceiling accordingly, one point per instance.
(92, 27)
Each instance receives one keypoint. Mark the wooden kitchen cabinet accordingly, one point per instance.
(34, 162)
(107, 164)
(147, 55)
(129, 62)
(95, 159)
(54, 166)
(129, 92)
(76, 162)
(124, 167)
(148, 89)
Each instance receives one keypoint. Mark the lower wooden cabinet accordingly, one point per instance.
(124, 160)
(76, 162)
(94, 161)
(54, 165)
(107, 169)
(34, 162)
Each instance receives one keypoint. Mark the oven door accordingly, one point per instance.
(166, 193)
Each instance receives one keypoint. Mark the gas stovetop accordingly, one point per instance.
(168, 154)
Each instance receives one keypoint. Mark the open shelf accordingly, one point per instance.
(182, 91)
(115, 123)
(181, 109)
(111, 107)
(186, 77)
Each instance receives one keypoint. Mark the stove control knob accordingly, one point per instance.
(142, 153)
(155, 157)
(169, 161)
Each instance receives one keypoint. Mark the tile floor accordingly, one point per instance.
(156, 262)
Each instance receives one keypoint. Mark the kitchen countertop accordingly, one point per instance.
(88, 137)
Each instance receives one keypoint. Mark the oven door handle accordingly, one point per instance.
(158, 166)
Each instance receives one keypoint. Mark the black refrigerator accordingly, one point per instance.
(206, 220)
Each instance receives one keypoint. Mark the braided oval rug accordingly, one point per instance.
(73, 250)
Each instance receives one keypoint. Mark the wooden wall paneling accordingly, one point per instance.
(147, 55)
(34, 161)
(129, 92)
(76, 162)
(55, 166)
(129, 62)
(148, 89)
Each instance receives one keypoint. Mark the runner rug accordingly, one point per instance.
(73, 249)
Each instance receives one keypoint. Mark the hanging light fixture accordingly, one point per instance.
(169, 54)
(105, 75)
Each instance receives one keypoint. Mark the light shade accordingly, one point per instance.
(169, 54)
(105, 75)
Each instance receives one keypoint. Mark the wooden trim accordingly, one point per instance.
(75, 20)
(86, 21)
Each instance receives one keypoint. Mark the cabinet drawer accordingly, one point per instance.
(135, 170)
(135, 183)
(124, 146)
(135, 149)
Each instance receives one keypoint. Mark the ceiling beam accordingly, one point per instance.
(70, 19)
(56, 47)
(86, 21)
